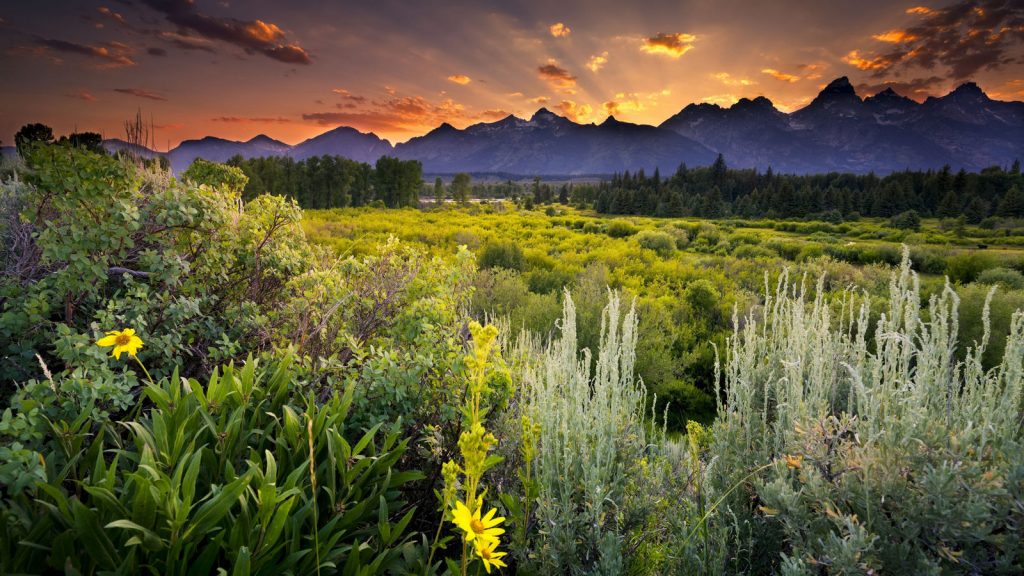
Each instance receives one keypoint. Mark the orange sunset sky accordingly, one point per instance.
(292, 70)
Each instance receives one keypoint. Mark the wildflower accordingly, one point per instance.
(794, 462)
(487, 551)
(476, 528)
(122, 341)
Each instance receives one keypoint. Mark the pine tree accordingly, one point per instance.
(949, 206)
(1012, 205)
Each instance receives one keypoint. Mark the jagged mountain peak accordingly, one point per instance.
(759, 103)
(839, 87)
(544, 115)
(264, 139)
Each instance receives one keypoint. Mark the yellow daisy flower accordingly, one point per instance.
(122, 341)
(477, 528)
(489, 554)
(794, 462)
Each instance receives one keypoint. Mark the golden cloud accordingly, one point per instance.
(856, 60)
(261, 31)
(721, 99)
(919, 10)
(780, 75)
(671, 45)
(460, 79)
(559, 30)
(539, 100)
(729, 80)
(574, 111)
(597, 61)
(895, 36)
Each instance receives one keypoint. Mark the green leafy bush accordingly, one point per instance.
(98, 241)
(966, 267)
(620, 229)
(219, 176)
(661, 242)
(909, 220)
(501, 254)
(1007, 278)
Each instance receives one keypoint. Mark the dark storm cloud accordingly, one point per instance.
(254, 36)
(105, 55)
(556, 75)
(965, 38)
(141, 93)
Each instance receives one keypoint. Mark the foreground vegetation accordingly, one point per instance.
(366, 391)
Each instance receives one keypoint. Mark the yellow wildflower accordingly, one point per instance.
(122, 341)
(475, 527)
(794, 462)
(487, 551)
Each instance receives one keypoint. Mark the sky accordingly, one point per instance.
(295, 69)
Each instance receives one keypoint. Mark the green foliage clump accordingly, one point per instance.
(235, 475)
(95, 243)
(1007, 278)
(966, 267)
(501, 254)
(218, 176)
(661, 242)
(909, 220)
(620, 229)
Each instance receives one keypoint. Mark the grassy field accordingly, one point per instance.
(688, 275)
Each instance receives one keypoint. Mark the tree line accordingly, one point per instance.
(333, 181)
(717, 191)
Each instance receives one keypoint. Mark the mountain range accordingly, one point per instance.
(837, 131)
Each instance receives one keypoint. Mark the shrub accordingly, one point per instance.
(219, 176)
(620, 229)
(869, 452)
(701, 296)
(501, 254)
(193, 270)
(966, 267)
(600, 413)
(1008, 278)
(661, 242)
(909, 220)
(549, 280)
(750, 252)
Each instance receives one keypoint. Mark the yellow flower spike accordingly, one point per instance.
(477, 528)
(122, 341)
(489, 554)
